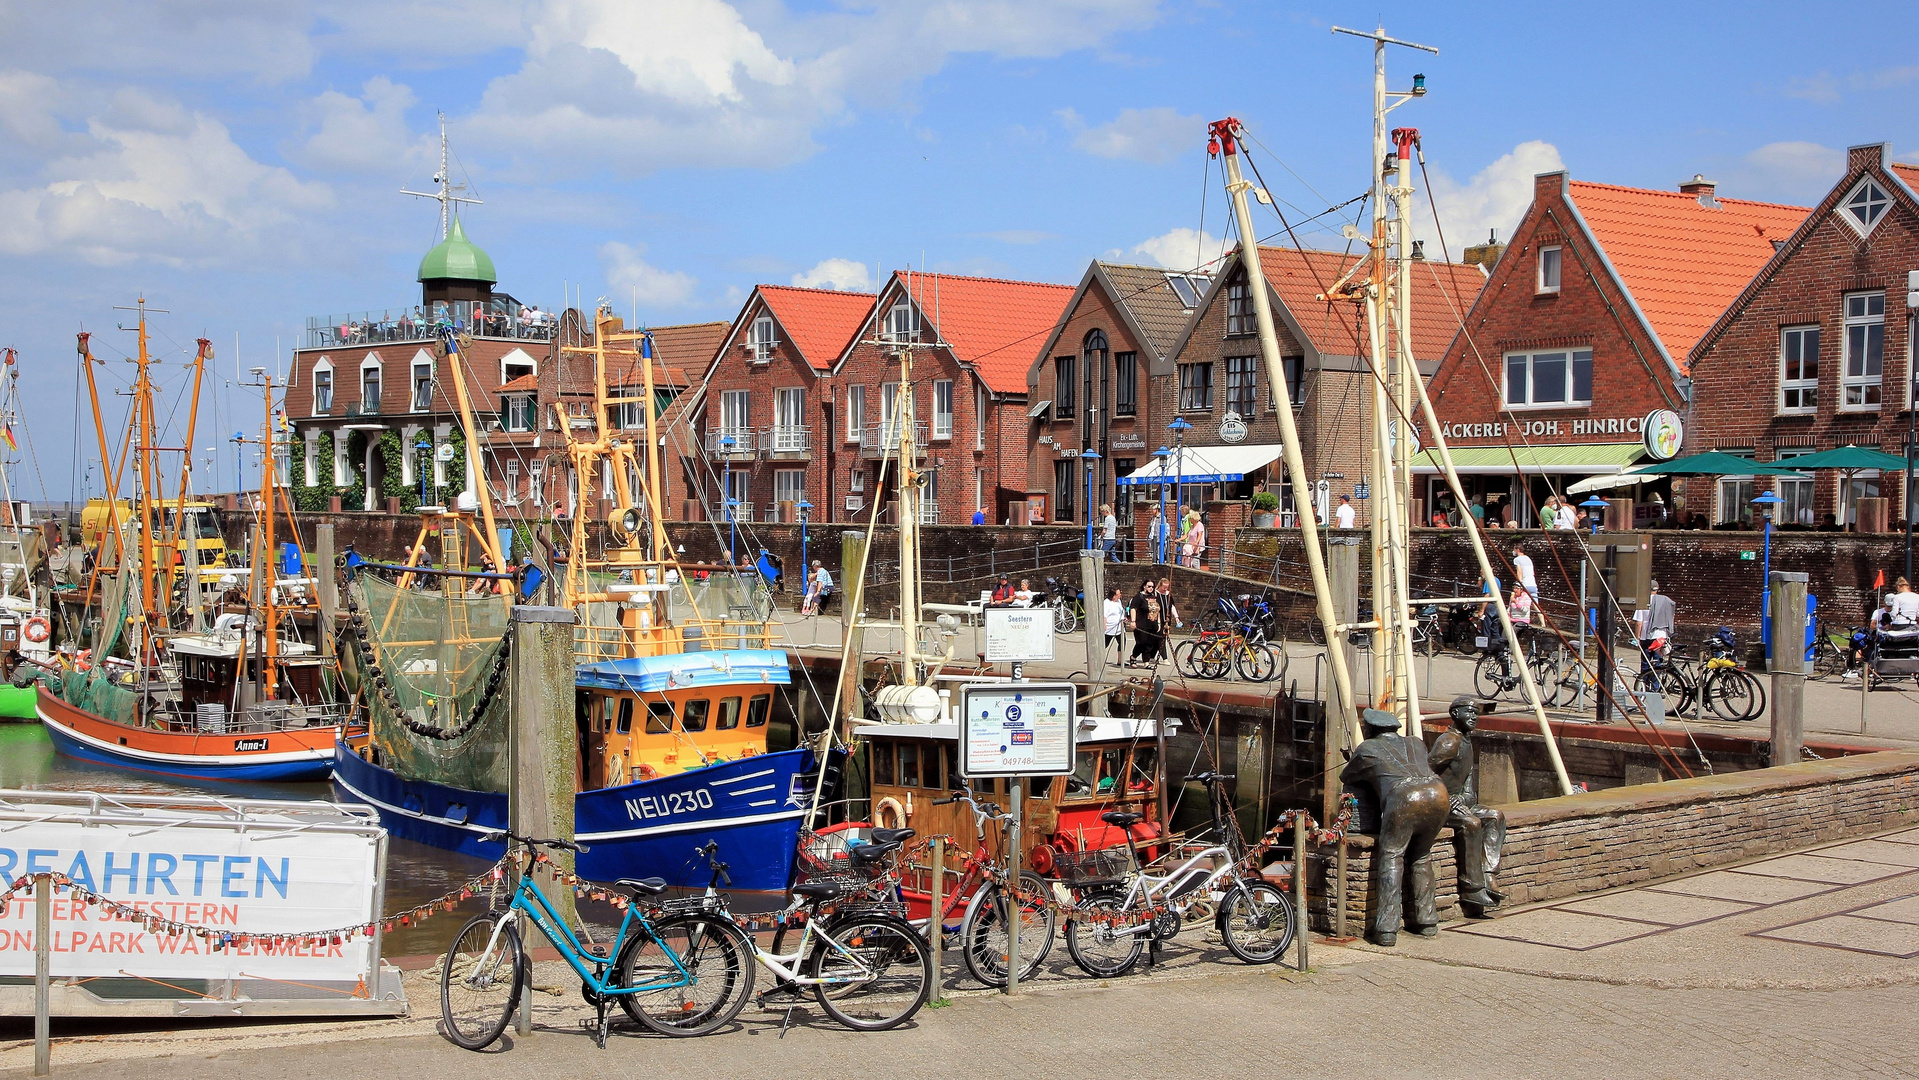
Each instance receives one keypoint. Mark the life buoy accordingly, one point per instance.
(880, 810)
(37, 629)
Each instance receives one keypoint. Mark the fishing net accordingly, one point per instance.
(431, 670)
(101, 690)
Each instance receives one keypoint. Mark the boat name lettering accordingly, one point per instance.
(249, 744)
(673, 802)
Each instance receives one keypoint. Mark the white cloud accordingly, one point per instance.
(1801, 171)
(1154, 135)
(154, 181)
(27, 103)
(1820, 89)
(843, 274)
(366, 134)
(628, 274)
(1495, 198)
(1176, 249)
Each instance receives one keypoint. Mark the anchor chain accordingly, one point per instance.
(495, 678)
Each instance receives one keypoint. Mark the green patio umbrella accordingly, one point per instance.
(1850, 459)
(1714, 463)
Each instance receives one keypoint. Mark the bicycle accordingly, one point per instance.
(1725, 686)
(866, 965)
(1216, 653)
(1826, 657)
(1497, 676)
(651, 972)
(1109, 925)
(1068, 610)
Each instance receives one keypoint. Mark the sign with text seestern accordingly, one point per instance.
(225, 879)
(1017, 729)
(1017, 635)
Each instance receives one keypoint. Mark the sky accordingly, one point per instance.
(239, 164)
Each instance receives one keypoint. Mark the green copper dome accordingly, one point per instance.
(458, 259)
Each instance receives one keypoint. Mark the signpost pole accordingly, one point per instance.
(935, 928)
(1015, 862)
(42, 975)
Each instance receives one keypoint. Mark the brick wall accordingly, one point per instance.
(1582, 843)
(1096, 310)
(736, 371)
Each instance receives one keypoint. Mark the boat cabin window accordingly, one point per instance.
(756, 712)
(626, 715)
(694, 718)
(910, 764)
(883, 763)
(729, 714)
(1098, 772)
(659, 717)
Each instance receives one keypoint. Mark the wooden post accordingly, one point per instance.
(1788, 666)
(852, 599)
(935, 921)
(1092, 580)
(1299, 884)
(42, 975)
(329, 592)
(541, 752)
(1342, 564)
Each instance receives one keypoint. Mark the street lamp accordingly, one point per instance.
(1768, 504)
(1165, 526)
(423, 461)
(1595, 504)
(804, 508)
(1087, 457)
(239, 441)
(727, 442)
(1179, 427)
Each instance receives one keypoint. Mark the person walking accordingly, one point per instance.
(1523, 568)
(1149, 638)
(1192, 547)
(1345, 514)
(1108, 533)
(1113, 611)
(819, 588)
(1166, 605)
(1657, 619)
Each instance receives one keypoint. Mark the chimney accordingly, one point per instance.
(1486, 254)
(1700, 188)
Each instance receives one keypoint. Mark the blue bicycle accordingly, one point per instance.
(665, 969)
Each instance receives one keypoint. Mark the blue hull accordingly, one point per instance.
(282, 771)
(751, 807)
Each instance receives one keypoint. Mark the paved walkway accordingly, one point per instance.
(1803, 964)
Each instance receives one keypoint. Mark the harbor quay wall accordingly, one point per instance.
(1592, 841)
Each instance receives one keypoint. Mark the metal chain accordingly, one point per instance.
(495, 678)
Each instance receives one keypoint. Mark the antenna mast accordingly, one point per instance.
(446, 194)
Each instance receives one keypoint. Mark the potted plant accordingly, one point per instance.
(1265, 506)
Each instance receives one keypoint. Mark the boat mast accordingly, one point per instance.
(108, 472)
(263, 561)
(456, 361)
(909, 523)
(200, 359)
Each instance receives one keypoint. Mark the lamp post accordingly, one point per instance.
(423, 461)
(1179, 427)
(804, 508)
(1086, 459)
(239, 441)
(1165, 526)
(1595, 504)
(1768, 504)
(727, 442)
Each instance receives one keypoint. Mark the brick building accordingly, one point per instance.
(1586, 329)
(1215, 370)
(1812, 353)
(764, 408)
(1087, 385)
(976, 337)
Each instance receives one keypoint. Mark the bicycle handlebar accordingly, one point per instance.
(532, 841)
(1209, 777)
(711, 850)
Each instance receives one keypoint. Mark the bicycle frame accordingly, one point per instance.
(530, 904)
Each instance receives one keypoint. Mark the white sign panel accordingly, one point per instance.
(1017, 635)
(228, 881)
(1017, 729)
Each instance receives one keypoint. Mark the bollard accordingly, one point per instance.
(1015, 914)
(936, 920)
(540, 748)
(1788, 666)
(1339, 888)
(1299, 884)
(42, 975)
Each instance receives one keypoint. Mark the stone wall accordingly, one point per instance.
(1589, 842)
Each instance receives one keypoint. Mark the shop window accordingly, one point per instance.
(1549, 260)
(1063, 387)
(1549, 379)
(1196, 387)
(1865, 349)
(1126, 384)
(1799, 369)
(1735, 500)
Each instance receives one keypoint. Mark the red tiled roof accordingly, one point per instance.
(1908, 173)
(1682, 262)
(520, 385)
(1442, 293)
(990, 323)
(679, 349)
(819, 322)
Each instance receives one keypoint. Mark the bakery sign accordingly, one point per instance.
(1582, 428)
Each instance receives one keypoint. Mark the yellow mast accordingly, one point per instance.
(456, 360)
(107, 472)
(186, 469)
(263, 561)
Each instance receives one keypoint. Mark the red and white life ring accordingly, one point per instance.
(37, 629)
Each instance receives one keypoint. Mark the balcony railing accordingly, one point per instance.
(743, 513)
(363, 408)
(780, 439)
(496, 318)
(878, 437)
(731, 443)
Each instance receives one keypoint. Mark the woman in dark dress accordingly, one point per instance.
(1148, 633)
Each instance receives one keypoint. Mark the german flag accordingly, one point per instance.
(7, 434)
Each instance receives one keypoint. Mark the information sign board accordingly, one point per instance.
(1017, 635)
(1017, 729)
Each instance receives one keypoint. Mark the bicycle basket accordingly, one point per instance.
(1086, 865)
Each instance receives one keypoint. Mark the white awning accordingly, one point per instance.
(1205, 464)
(1607, 483)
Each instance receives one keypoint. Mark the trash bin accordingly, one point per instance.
(1653, 704)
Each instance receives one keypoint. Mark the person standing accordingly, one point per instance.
(1156, 535)
(1477, 508)
(1113, 610)
(1566, 517)
(1193, 543)
(1659, 616)
(979, 515)
(820, 588)
(1108, 533)
(1166, 605)
(1345, 514)
(1523, 568)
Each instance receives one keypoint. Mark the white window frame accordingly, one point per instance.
(323, 367)
(1869, 385)
(942, 408)
(855, 413)
(379, 377)
(736, 415)
(789, 486)
(1876, 200)
(979, 417)
(889, 413)
(1868, 483)
(759, 339)
(514, 403)
(516, 358)
(789, 419)
(1736, 507)
(312, 459)
(856, 480)
(1808, 488)
(413, 385)
(1549, 272)
(979, 490)
(1801, 395)
(535, 475)
(511, 471)
(1570, 401)
(902, 322)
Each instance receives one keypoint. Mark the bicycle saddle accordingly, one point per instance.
(818, 890)
(867, 854)
(651, 886)
(1121, 818)
(891, 836)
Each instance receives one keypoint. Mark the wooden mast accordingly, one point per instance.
(269, 634)
(107, 472)
(200, 359)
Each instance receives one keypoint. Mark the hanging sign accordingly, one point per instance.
(1017, 729)
(1232, 429)
(1017, 635)
(444, 454)
(1663, 434)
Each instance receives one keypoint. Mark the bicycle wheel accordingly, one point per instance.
(1735, 694)
(1216, 660)
(1253, 662)
(1099, 943)
(1827, 661)
(1315, 631)
(1065, 619)
(875, 972)
(1183, 658)
(717, 982)
(983, 937)
(1489, 676)
(1667, 683)
(1256, 922)
(480, 981)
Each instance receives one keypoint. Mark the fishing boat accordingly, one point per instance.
(675, 681)
(26, 623)
(158, 690)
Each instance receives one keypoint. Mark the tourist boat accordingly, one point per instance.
(673, 698)
(240, 700)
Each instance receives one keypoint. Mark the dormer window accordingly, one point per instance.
(760, 339)
(1865, 205)
(1549, 259)
(1188, 287)
(422, 385)
(370, 388)
(902, 322)
(323, 387)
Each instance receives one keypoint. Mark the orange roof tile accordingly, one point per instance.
(1442, 293)
(990, 323)
(1681, 261)
(819, 322)
(1908, 173)
(679, 349)
(520, 385)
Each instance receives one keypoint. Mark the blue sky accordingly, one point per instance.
(238, 163)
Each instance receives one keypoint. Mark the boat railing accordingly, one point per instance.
(264, 717)
(592, 644)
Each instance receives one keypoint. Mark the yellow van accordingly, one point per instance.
(202, 528)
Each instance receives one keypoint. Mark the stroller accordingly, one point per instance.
(1893, 653)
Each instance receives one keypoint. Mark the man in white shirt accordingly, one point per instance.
(1345, 514)
(1565, 517)
(1523, 566)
